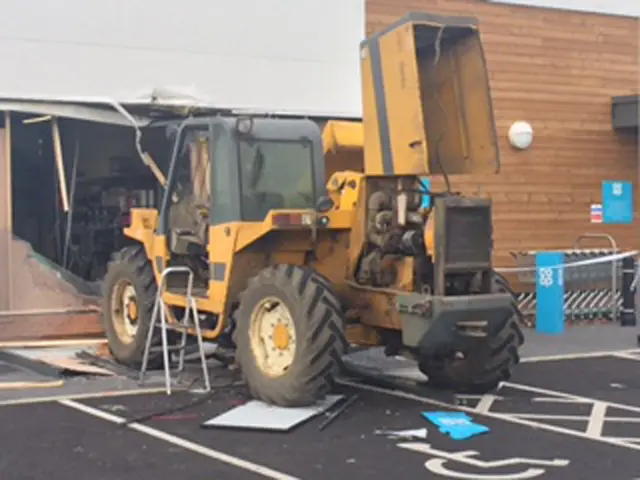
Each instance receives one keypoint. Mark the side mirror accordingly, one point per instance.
(324, 204)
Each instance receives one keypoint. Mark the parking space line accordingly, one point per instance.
(484, 405)
(627, 439)
(181, 442)
(80, 396)
(559, 400)
(493, 415)
(544, 416)
(628, 356)
(569, 396)
(596, 419)
(577, 356)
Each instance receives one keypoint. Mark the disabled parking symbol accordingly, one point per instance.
(525, 468)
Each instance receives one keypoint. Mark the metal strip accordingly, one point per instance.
(381, 106)
(217, 271)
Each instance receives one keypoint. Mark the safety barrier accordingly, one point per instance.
(596, 284)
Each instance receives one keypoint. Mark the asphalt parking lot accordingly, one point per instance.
(577, 418)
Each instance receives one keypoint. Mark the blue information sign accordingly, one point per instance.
(549, 293)
(617, 202)
(426, 199)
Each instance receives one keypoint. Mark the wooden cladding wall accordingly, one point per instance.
(557, 70)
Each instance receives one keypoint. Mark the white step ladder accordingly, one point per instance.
(190, 319)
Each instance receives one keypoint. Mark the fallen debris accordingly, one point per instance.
(413, 434)
(258, 415)
(59, 304)
(113, 408)
(107, 364)
(458, 425)
(61, 359)
(336, 413)
(184, 416)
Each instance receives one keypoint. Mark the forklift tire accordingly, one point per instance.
(491, 362)
(289, 314)
(130, 271)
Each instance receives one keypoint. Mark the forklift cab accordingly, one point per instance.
(228, 169)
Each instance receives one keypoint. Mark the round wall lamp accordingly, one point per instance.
(521, 135)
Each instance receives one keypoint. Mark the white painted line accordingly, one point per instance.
(584, 418)
(182, 443)
(570, 396)
(496, 416)
(577, 356)
(484, 405)
(596, 420)
(627, 356)
(626, 439)
(81, 396)
(559, 400)
(543, 416)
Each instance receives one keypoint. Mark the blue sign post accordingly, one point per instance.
(550, 293)
(617, 202)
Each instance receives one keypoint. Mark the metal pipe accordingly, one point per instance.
(74, 175)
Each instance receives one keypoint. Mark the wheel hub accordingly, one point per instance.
(124, 311)
(273, 337)
(132, 309)
(281, 337)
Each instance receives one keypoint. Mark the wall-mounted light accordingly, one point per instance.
(521, 135)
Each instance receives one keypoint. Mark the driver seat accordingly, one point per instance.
(188, 229)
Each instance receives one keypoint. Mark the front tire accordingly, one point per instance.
(489, 363)
(289, 336)
(129, 293)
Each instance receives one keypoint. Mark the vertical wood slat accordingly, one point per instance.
(6, 220)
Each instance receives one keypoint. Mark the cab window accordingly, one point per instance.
(275, 175)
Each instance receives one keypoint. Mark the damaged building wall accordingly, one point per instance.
(38, 299)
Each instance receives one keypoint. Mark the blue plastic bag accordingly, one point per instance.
(458, 425)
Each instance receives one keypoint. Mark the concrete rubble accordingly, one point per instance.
(39, 300)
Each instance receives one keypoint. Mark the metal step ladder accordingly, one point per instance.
(190, 320)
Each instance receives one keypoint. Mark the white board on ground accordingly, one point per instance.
(278, 56)
(258, 415)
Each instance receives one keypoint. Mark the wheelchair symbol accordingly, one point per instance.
(437, 464)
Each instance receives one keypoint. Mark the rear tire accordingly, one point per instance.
(304, 302)
(489, 363)
(130, 266)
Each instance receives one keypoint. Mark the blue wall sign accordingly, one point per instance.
(549, 293)
(426, 199)
(617, 202)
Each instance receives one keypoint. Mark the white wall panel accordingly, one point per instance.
(280, 56)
